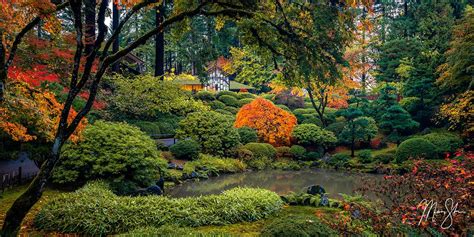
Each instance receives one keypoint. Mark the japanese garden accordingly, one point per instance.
(236, 118)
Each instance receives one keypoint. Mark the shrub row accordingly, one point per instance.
(94, 210)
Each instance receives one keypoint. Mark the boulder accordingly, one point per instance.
(154, 190)
(324, 201)
(315, 190)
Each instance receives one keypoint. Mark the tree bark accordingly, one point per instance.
(115, 24)
(159, 43)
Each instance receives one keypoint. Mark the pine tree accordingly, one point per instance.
(397, 122)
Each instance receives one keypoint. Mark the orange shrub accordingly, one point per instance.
(273, 125)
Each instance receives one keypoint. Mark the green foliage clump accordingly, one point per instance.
(310, 134)
(217, 105)
(365, 156)
(396, 121)
(150, 128)
(187, 149)
(298, 152)
(227, 93)
(214, 165)
(295, 225)
(261, 150)
(283, 152)
(259, 163)
(336, 127)
(270, 97)
(247, 135)
(117, 152)
(214, 132)
(313, 155)
(416, 148)
(384, 158)
(284, 164)
(94, 210)
(205, 96)
(246, 95)
(232, 110)
(229, 100)
(245, 101)
(444, 141)
(339, 160)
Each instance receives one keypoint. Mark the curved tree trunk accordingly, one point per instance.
(25, 202)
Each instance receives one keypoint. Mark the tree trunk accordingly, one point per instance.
(23, 204)
(159, 43)
(320, 112)
(115, 23)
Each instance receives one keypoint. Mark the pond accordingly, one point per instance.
(279, 181)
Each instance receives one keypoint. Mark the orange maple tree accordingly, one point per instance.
(273, 125)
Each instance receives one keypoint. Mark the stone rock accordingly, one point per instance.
(194, 175)
(326, 157)
(154, 190)
(324, 201)
(315, 190)
(179, 167)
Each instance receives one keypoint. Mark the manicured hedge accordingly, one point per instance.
(217, 105)
(298, 152)
(229, 100)
(261, 149)
(187, 149)
(94, 210)
(415, 148)
(229, 93)
(444, 141)
(214, 164)
(247, 135)
(205, 95)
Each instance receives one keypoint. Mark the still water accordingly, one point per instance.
(279, 181)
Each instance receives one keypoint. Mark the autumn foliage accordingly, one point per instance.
(273, 125)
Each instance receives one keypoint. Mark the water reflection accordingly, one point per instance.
(279, 181)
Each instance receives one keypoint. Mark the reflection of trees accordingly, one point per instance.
(279, 181)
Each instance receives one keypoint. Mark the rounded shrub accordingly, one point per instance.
(365, 156)
(247, 135)
(297, 226)
(311, 134)
(445, 142)
(246, 95)
(117, 152)
(95, 211)
(228, 93)
(245, 101)
(336, 127)
(313, 155)
(187, 149)
(229, 100)
(268, 96)
(217, 105)
(415, 148)
(213, 131)
(261, 150)
(284, 107)
(298, 152)
(339, 160)
(150, 128)
(384, 158)
(232, 110)
(205, 96)
(283, 152)
(224, 112)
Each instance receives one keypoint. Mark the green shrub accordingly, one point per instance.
(187, 149)
(242, 154)
(339, 160)
(310, 134)
(214, 165)
(385, 158)
(245, 101)
(232, 110)
(246, 95)
(173, 231)
(229, 100)
(284, 107)
(205, 96)
(336, 127)
(117, 152)
(224, 112)
(261, 150)
(365, 156)
(286, 165)
(94, 210)
(150, 128)
(314, 155)
(283, 152)
(444, 141)
(298, 152)
(228, 93)
(270, 97)
(214, 132)
(416, 148)
(217, 105)
(259, 163)
(297, 226)
(247, 135)
(168, 124)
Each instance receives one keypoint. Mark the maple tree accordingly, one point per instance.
(273, 125)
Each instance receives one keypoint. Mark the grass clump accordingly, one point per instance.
(212, 164)
(95, 210)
